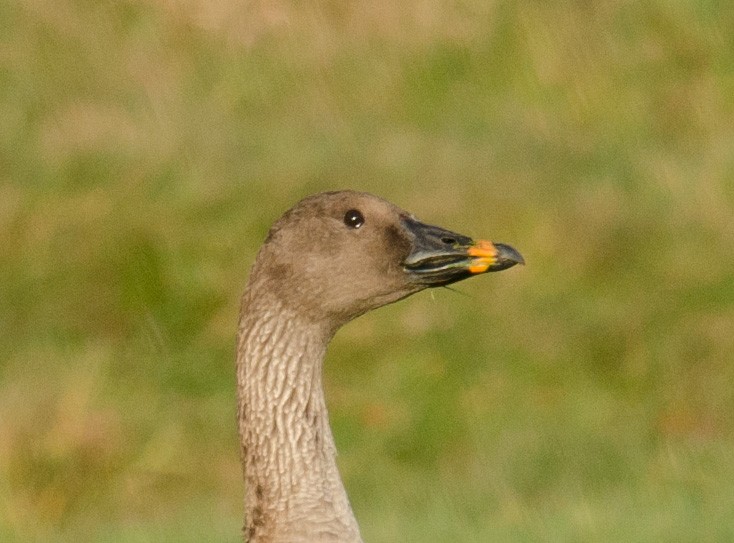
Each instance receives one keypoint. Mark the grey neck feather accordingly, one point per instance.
(293, 490)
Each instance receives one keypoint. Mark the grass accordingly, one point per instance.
(146, 147)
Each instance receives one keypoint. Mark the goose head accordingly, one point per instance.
(337, 255)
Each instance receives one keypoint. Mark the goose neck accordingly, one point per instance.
(293, 489)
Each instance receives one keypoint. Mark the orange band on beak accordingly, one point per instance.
(484, 253)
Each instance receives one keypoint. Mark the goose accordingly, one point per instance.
(330, 258)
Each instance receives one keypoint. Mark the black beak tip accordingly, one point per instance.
(508, 256)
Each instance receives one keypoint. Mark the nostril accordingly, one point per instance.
(448, 240)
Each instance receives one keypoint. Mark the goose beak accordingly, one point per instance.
(440, 257)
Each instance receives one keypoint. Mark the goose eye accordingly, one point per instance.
(353, 219)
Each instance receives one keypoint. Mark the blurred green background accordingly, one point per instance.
(146, 147)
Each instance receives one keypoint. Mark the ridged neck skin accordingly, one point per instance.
(293, 492)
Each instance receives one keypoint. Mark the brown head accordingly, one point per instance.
(336, 255)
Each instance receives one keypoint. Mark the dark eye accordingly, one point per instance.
(353, 218)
